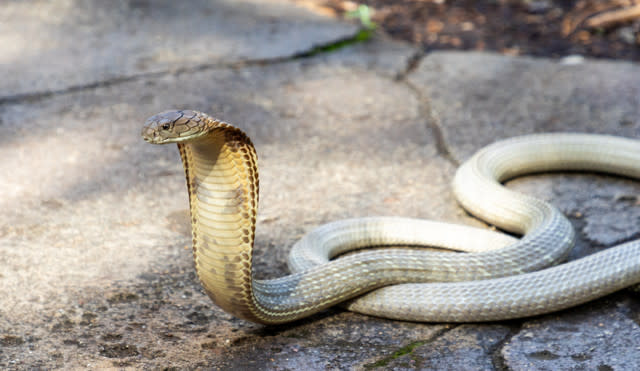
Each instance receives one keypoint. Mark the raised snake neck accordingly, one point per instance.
(501, 279)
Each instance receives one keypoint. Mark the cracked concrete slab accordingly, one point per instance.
(600, 337)
(506, 97)
(89, 282)
(478, 98)
(54, 45)
(94, 233)
(481, 97)
(465, 347)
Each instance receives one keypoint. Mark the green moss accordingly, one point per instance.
(408, 349)
(368, 27)
(362, 36)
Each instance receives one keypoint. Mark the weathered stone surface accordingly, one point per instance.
(479, 97)
(465, 347)
(605, 210)
(94, 235)
(341, 342)
(53, 45)
(596, 338)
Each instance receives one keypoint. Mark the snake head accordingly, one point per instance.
(174, 126)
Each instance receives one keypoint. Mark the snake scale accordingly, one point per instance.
(492, 277)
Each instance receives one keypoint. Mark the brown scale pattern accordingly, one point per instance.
(186, 164)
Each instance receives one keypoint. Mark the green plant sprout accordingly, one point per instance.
(363, 14)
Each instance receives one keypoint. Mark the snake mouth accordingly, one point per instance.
(151, 135)
(157, 138)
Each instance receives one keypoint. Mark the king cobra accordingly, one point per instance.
(489, 276)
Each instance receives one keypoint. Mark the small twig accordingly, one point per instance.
(614, 17)
(588, 9)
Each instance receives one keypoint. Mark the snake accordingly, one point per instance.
(376, 265)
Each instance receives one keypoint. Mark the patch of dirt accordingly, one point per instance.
(546, 28)
(118, 350)
(11, 340)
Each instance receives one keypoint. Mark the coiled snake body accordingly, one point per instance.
(502, 278)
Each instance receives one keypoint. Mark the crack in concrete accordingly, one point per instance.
(432, 122)
(634, 313)
(497, 360)
(37, 96)
(441, 143)
(412, 63)
(408, 349)
(323, 48)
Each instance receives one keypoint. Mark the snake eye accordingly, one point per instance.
(166, 126)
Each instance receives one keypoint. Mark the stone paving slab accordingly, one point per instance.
(88, 281)
(94, 234)
(516, 96)
(479, 97)
(604, 336)
(507, 97)
(55, 45)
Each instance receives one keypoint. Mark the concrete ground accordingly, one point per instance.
(95, 262)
